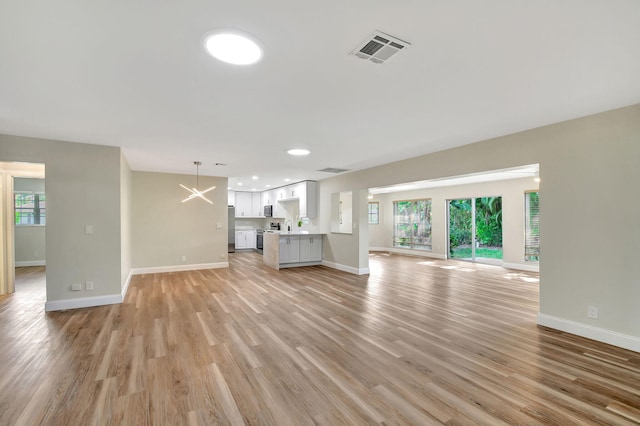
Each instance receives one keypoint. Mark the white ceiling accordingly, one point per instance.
(134, 74)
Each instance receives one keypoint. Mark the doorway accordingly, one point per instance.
(23, 218)
(475, 229)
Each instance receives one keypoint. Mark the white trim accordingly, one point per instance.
(178, 268)
(82, 302)
(30, 263)
(614, 338)
(409, 252)
(125, 287)
(522, 267)
(345, 268)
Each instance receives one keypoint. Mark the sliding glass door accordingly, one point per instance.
(475, 229)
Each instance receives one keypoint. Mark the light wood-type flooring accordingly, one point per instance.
(417, 341)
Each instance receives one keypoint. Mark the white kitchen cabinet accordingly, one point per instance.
(243, 204)
(241, 240)
(248, 204)
(231, 198)
(256, 205)
(251, 238)
(267, 199)
(246, 239)
(315, 244)
(308, 196)
(289, 248)
(281, 193)
(310, 248)
(305, 248)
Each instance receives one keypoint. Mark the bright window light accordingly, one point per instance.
(233, 48)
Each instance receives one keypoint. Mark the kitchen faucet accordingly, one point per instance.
(290, 224)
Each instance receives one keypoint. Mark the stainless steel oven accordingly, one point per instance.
(259, 240)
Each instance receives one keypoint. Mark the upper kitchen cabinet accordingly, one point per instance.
(244, 204)
(268, 199)
(248, 204)
(231, 198)
(256, 205)
(281, 193)
(306, 193)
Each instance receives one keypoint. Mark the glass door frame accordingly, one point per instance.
(473, 229)
(474, 237)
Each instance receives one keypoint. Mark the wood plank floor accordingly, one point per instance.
(416, 342)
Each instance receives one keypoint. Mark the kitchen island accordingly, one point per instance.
(284, 249)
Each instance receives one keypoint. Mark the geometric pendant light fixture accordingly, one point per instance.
(195, 193)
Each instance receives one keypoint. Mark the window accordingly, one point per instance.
(412, 224)
(532, 226)
(30, 209)
(374, 213)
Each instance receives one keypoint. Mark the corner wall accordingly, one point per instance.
(83, 188)
(164, 229)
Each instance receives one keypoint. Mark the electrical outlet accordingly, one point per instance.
(184, 258)
(223, 256)
(76, 287)
(88, 285)
(218, 226)
(592, 312)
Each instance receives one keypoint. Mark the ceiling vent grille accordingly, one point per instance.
(333, 170)
(379, 47)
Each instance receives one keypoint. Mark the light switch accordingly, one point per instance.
(88, 229)
(219, 226)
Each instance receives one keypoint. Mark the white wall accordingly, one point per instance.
(30, 247)
(589, 229)
(511, 191)
(164, 229)
(83, 188)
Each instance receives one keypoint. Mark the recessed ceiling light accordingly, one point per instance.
(268, 186)
(239, 183)
(254, 177)
(233, 47)
(253, 189)
(298, 151)
(287, 179)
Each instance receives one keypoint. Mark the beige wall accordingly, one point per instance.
(511, 191)
(589, 229)
(125, 220)
(83, 188)
(164, 229)
(30, 247)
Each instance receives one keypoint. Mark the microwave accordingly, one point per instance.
(268, 211)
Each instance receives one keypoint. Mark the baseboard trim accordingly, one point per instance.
(409, 252)
(82, 302)
(30, 263)
(178, 268)
(125, 287)
(521, 267)
(345, 268)
(590, 332)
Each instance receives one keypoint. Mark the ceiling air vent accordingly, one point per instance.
(379, 47)
(333, 170)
